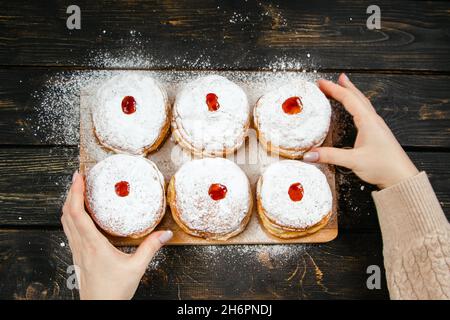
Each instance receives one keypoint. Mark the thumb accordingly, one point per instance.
(77, 193)
(336, 156)
(148, 248)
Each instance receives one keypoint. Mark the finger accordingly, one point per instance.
(148, 248)
(66, 222)
(77, 193)
(336, 156)
(81, 219)
(352, 103)
(66, 209)
(72, 235)
(66, 228)
(345, 82)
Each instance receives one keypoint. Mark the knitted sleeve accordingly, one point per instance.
(416, 240)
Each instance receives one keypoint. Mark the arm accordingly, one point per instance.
(103, 272)
(416, 240)
(416, 233)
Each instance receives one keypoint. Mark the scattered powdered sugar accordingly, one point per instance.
(212, 131)
(280, 64)
(136, 56)
(294, 131)
(197, 209)
(274, 12)
(57, 118)
(238, 18)
(155, 263)
(137, 211)
(317, 198)
(131, 133)
(269, 256)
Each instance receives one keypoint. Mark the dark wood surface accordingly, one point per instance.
(403, 68)
(414, 34)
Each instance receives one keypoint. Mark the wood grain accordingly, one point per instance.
(34, 266)
(416, 108)
(355, 195)
(33, 184)
(413, 36)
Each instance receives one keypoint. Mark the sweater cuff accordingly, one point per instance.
(408, 210)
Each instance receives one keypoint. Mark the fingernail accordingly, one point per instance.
(311, 156)
(165, 236)
(75, 174)
(344, 76)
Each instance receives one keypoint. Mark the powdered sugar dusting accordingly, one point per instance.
(294, 131)
(58, 105)
(134, 132)
(138, 211)
(217, 130)
(317, 197)
(197, 210)
(170, 156)
(236, 256)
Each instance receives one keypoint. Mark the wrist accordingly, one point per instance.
(399, 176)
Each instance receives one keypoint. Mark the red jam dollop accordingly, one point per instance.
(212, 101)
(122, 188)
(296, 191)
(217, 191)
(292, 105)
(128, 105)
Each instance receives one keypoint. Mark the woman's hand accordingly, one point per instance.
(376, 157)
(103, 272)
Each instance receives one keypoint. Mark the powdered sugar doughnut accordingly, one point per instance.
(125, 195)
(210, 116)
(210, 198)
(131, 114)
(292, 119)
(294, 199)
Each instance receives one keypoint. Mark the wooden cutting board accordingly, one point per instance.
(251, 157)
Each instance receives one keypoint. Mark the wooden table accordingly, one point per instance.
(404, 68)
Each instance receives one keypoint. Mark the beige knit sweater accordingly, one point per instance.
(416, 238)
